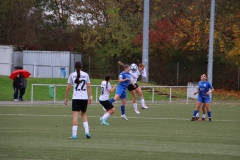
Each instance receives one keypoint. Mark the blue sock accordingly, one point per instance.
(209, 114)
(123, 109)
(111, 100)
(194, 113)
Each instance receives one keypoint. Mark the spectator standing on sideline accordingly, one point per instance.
(23, 86)
(16, 87)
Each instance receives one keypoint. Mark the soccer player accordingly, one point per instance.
(204, 91)
(106, 89)
(135, 73)
(124, 81)
(82, 88)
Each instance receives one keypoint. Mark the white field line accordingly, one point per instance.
(150, 118)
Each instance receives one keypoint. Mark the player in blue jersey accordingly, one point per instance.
(124, 80)
(204, 91)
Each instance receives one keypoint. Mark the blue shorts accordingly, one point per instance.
(204, 99)
(121, 91)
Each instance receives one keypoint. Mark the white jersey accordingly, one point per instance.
(81, 91)
(136, 74)
(104, 91)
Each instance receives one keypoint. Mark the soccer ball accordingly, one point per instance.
(133, 67)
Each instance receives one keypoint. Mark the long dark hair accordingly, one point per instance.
(107, 77)
(78, 67)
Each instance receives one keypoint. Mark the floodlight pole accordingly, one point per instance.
(145, 38)
(211, 35)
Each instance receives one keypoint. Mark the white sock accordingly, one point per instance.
(135, 105)
(85, 125)
(74, 130)
(106, 116)
(197, 115)
(142, 102)
(204, 116)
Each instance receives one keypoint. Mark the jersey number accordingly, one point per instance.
(82, 85)
(102, 90)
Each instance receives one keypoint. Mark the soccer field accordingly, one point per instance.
(162, 132)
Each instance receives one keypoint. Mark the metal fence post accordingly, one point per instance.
(170, 95)
(153, 95)
(54, 94)
(96, 94)
(32, 93)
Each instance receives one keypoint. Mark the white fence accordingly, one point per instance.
(190, 91)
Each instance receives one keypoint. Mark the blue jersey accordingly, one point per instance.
(124, 75)
(204, 87)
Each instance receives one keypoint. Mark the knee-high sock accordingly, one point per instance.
(195, 113)
(111, 100)
(209, 114)
(74, 130)
(106, 116)
(135, 105)
(86, 127)
(123, 109)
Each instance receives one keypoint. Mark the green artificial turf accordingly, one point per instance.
(162, 132)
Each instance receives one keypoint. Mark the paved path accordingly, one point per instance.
(29, 102)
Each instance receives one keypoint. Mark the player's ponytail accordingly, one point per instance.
(78, 67)
(107, 77)
(123, 65)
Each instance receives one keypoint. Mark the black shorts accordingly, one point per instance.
(79, 105)
(106, 104)
(131, 87)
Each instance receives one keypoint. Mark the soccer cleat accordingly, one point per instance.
(136, 111)
(103, 122)
(87, 135)
(144, 107)
(203, 119)
(73, 137)
(194, 119)
(124, 117)
(210, 119)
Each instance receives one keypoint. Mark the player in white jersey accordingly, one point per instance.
(140, 71)
(106, 89)
(81, 89)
